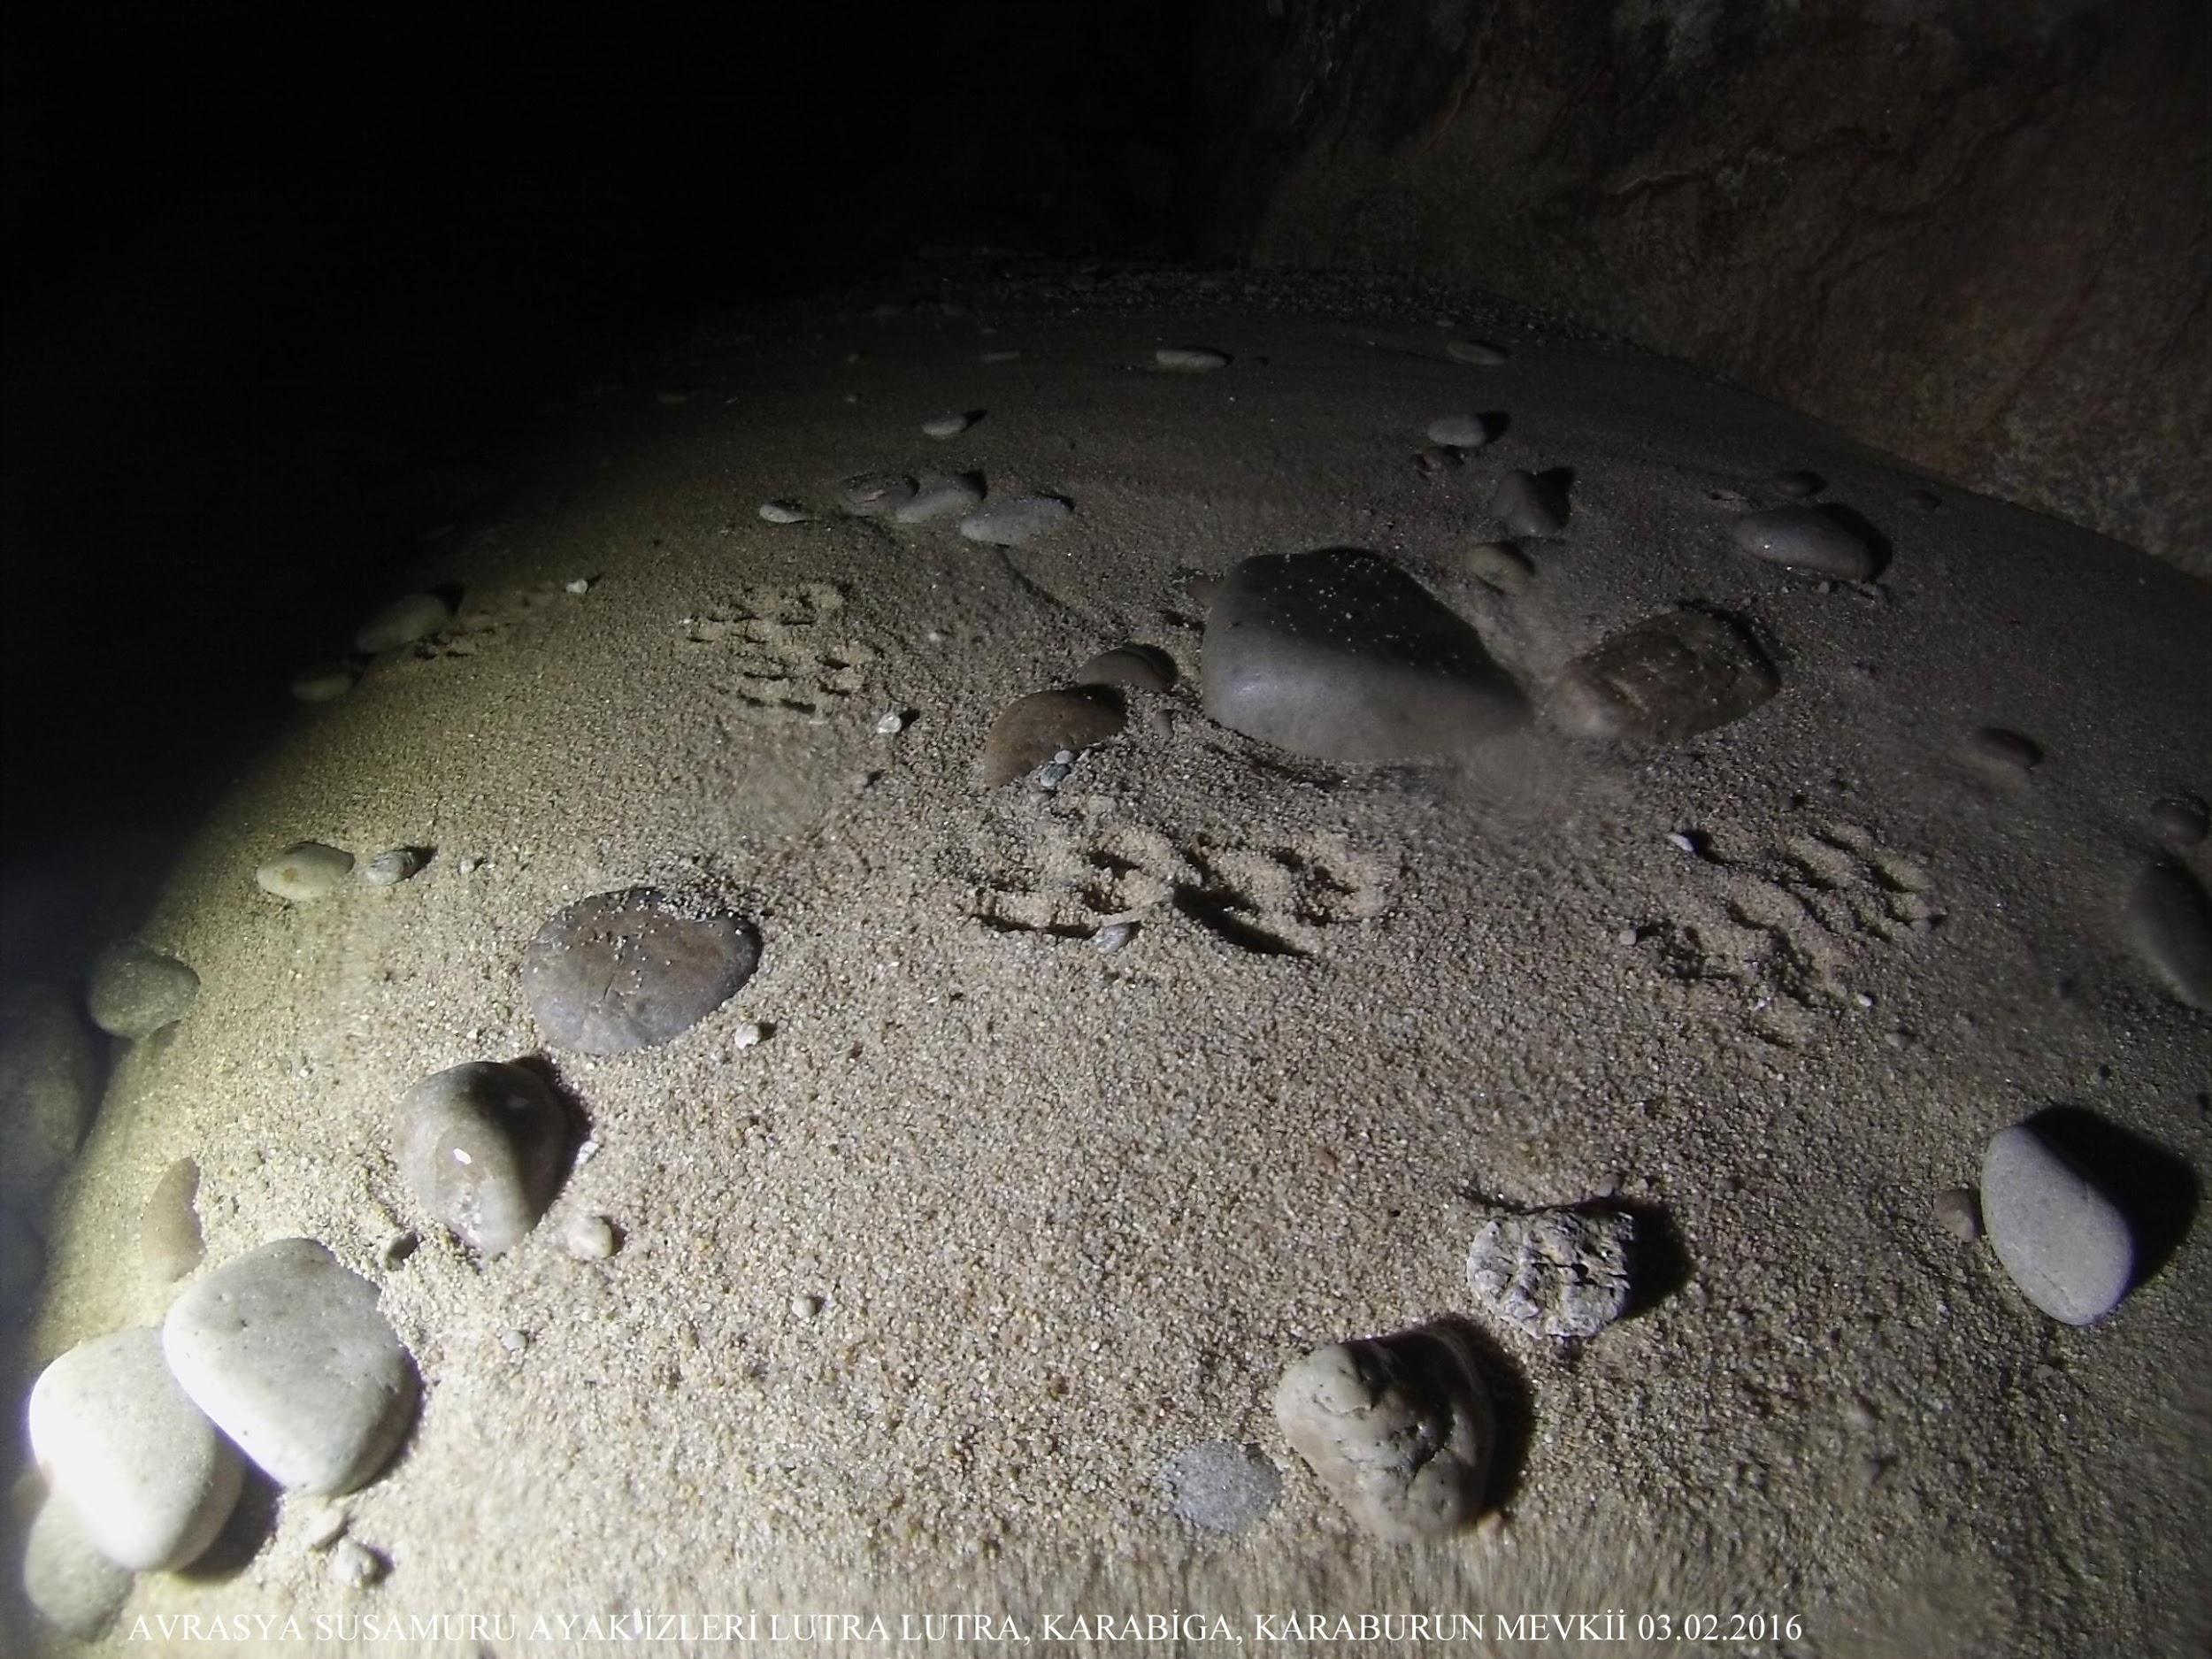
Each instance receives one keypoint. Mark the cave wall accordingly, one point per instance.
(1979, 235)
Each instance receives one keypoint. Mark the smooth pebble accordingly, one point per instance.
(633, 969)
(402, 622)
(72, 1585)
(286, 1350)
(482, 1146)
(1012, 522)
(2169, 922)
(147, 1475)
(1806, 538)
(1502, 565)
(1143, 667)
(2182, 820)
(1459, 432)
(874, 495)
(1190, 359)
(304, 872)
(326, 682)
(1341, 655)
(353, 1565)
(1529, 504)
(49, 1076)
(1034, 730)
(391, 867)
(2062, 1240)
(135, 990)
(784, 513)
(1665, 679)
(950, 425)
(940, 496)
(1479, 353)
(590, 1238)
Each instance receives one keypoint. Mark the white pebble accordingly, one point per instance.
(1190, 359)
(1113, 936)
(354, 1565)
(950, 425)
(750, 1034)
(784, 513)
(806, 1307)
(389, 869)
(1680, 842)
(581, 585)
(1012, 522)
(1459, 432)
(590, 1238)
(890, 723)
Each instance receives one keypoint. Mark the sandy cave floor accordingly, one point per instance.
(1068, 1212)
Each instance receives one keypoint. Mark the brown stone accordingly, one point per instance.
(1031, 730)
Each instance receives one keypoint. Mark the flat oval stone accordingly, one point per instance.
(1805, 538)
(2182, 820)
(2065, 1243)
(940, 496)
(1665, 679)
(481, 1146)
(1340, 655)
(871, 494)
(1012, 522)
(304, 872)
(1459, 432)
(948, 424)
(286, 1350)
(2169, 924)
(402, 622)
(135, 990)
(1529, 504)
(1146, 667)
(1190, 359)
(148, 1479)
(633, 969)
(1480, 353)
(72, 1585)
(326, 682)
(1031, 730)
(1398, 1428)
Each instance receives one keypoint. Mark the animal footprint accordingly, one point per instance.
(1272, 899)
(776, 642)
(1788, 928)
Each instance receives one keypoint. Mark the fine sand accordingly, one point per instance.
(1067, 1212)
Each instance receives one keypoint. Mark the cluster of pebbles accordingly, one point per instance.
(280, 1358)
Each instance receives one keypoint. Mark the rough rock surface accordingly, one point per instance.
(149, 1481)
(633, 969)
(1398, 1428)
(1553, 1273)
(481, 1146)
(286, 1351)
(1952, 229)
(1342, 655)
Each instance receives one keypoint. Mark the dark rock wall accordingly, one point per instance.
(1977, 234)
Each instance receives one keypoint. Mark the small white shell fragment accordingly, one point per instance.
(1190, 359)
(354, 1565)
(949, 425)
(590, 1238)
(890, 723)
(750, 1034)
(1680, 842)
(806, 1307)
(784, 513)
(1113, 936)
(581, 585)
